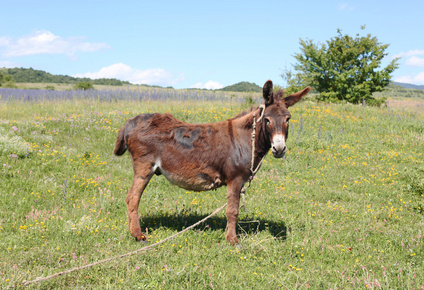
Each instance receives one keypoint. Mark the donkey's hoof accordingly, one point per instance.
(141, 239)
(233, 241)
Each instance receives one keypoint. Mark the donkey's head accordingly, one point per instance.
(276, 117)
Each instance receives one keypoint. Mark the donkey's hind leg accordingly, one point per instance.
(142, 175)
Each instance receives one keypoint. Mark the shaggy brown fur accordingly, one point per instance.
(202, 157)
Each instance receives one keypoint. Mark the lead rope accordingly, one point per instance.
(144, 249)
(252, 171)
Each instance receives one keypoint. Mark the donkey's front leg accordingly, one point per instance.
(233, 199)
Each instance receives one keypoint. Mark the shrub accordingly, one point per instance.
(13, 146)
(84, 86)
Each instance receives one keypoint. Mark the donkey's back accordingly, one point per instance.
(192, 156)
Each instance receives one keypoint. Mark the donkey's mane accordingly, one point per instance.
(279, 94)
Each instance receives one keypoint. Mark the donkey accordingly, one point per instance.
(202, 157)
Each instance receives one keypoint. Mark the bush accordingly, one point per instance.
(13, 146)
(85, 86)
(6, 81)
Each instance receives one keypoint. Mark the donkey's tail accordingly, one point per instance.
(120, 145)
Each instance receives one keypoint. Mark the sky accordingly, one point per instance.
(198, 44)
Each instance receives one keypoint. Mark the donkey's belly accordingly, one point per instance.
(195, 180)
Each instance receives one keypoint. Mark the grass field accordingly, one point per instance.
(344, 209)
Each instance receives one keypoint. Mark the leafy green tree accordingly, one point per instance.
(342, 69)
(7, 81)
(84, 86)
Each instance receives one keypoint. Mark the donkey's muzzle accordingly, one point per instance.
(279, 153)
(278, 146)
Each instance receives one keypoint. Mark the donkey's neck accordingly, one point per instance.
(262, 143)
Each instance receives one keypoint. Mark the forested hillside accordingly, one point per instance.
(30, 75)
(243, 87)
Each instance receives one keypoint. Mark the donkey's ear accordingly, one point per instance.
(268, 93)
(294, 98)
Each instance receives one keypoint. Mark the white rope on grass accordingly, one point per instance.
(40, 279)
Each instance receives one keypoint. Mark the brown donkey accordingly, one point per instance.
(202, 157)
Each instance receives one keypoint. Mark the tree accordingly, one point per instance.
(342, 69)
(84, 86)
(7, 81)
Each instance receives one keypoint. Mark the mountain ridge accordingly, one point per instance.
(409, 86)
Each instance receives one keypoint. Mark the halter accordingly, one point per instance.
(253, 171)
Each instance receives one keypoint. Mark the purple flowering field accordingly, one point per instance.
(125, 93)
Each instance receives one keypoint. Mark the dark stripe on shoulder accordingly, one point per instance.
(230, 131)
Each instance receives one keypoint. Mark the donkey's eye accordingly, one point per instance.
(267, 122)
(287, 121)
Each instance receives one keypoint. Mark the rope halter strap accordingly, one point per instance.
(253, 170)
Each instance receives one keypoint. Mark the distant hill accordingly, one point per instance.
(243, 87)
(30, 75)
(409, 86)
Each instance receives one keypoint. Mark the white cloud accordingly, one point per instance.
(154, 76)
(417, 79)
(346, 6)
(210, 85)
(7, 64)
(409, 53)
(4, 41)
(45, 42)
(415, 61)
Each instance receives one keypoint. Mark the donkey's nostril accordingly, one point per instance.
(279, 150)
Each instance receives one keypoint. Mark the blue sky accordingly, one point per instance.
(205, 44)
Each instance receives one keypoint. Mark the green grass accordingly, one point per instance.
(344, 209)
